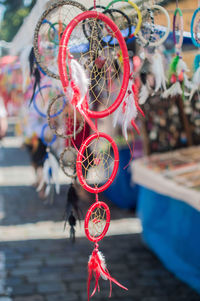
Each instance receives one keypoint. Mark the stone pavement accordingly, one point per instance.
(39, 263)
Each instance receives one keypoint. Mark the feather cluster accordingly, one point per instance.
(97, 267)
(127, 112)
(50, 175)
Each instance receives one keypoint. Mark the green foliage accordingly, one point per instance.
(15, 12)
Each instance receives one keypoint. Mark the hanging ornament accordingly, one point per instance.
(97, 222)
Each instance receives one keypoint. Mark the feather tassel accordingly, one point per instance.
(97, 267)
(157, 69)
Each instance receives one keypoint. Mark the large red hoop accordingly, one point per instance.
(80, 158)
(62, 56)
(87, 219)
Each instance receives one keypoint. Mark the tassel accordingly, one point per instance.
(72, 223)
(72, 204)
(50, 175)
(97, 267)
(127, 111)
(158, 71)
(34, 71)
(144, 95)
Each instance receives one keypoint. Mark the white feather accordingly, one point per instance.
(80, 79)
(50, 163)
(144, 94)
(174, 90)
(157, 68)
(126, 112)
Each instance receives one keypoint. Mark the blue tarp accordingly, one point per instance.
(171, 229)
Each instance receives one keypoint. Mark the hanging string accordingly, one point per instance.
(95, 4)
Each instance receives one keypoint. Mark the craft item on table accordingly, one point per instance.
(97, 62)
(48, 32)
(132, 11)
(50, 179)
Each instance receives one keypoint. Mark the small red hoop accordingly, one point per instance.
(80, 158)
(87, 219)
(62, 56)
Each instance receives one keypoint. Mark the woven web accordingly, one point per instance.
(97, 221)
(68, 162)
(154, 24)
(147, 26)
(100, 56)
(97, 162)
(50, 33)
(63, 119)
(121, 21)
(160, 25)
(48, 135)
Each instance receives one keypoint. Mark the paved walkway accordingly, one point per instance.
(38, 262)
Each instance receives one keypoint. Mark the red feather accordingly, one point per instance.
(97, 267)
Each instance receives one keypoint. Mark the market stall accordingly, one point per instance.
(169, 205)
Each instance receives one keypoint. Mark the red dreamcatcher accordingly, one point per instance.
(92, 67)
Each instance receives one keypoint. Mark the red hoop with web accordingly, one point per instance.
(97, 221)
(97, 162)
(98, 61)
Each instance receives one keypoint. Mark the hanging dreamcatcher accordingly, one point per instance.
(48, 33)
(95, 86)
(178, 79)
(195, 33)
(132, 11)
(50, 179)
(153, 33)
(97, 165)
(106, 83)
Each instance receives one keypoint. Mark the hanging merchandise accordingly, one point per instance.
(49, 181)
(155, 26)
(195, 23)
(49, 30)
(95, 82)
(102, 77)
(97, 165)
(178, 79)
(133, 12)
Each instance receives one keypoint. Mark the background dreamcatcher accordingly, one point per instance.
(48, 32)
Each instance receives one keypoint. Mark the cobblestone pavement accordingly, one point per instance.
(38, 262)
